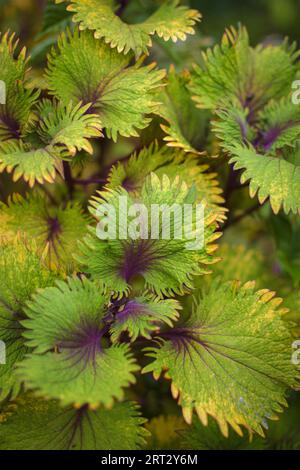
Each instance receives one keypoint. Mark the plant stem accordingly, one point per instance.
(86, 182)
(68, 178)
(123, 5)
(240, 217)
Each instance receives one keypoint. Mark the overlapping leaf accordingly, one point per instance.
(131, 174)
(56, 132)
(236, 71)
(188, 127)
(88, 70)
(199, 437)
(15, 113)
(56, 230)
(254, 109)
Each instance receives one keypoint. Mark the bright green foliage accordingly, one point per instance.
(170, 21)
(33, 424)
(270, 177)
(66, 329)
(188, 126)
(69, 126)
(237, 342)
(166, 265)
(33, 136)
(33, 164)
(161, 160)
(250, 91)
(56, 230)
(56, 127)
(235, 70)
(122, 95)
(21, 273)
(141, 316)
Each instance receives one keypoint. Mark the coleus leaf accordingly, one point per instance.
(170, 21)
(242, 263)
(270, 176)
(56, 131)
(131, 174)
(72, 360)
(231, 359)
(88, 70)
(279, 125)
(187, 127)
(199, 437)
(236, 71)
(56, 230)
(165, 266)
(15, 114)
(21, 273)
(143, 315)
(32, 423)
(70, 125)
(32, 164)
(268, 151)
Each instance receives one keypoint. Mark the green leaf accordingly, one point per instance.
(35, 424)
(236, 71)
(170, 21)
(72, 360)
(21, 273)
(15, 114)
(68, 125)
(88, 70)
(131, 174)
(270, 176)
(33, 165)
(166, 266)
(231, 359)
(188, 127)
(56, 230)
(56, 131)
(279, 125)
(143, 315)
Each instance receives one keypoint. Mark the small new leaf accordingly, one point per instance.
(143, 315)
